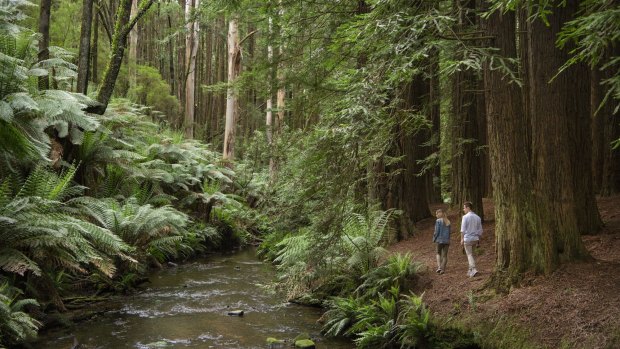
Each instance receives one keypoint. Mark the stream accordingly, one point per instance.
(187, 306)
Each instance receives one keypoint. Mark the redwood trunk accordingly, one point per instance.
(467, 164)
(517, 240)
(561, 142)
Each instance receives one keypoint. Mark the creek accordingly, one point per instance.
(187, 306)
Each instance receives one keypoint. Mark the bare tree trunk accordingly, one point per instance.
(191, 49)
(84, 53)
(269, 103)
(281, 94)
(232, 98)
(44, 29)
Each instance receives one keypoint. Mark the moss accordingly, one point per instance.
(304, 343)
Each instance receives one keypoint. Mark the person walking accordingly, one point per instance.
(442, 238)
(471, 231)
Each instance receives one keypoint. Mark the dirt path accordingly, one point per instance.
(578, 306)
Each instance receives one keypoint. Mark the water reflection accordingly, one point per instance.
(187, 306)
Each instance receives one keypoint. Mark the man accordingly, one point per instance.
(471, 230)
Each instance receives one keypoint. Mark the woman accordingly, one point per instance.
(442, 238)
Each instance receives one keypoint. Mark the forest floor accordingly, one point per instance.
(577, 306)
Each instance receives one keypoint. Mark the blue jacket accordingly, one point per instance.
(442, 232)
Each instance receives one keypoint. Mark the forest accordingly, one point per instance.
(136, 135)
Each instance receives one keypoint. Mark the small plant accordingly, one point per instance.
(471, 298)
(397, 271)
(15, 324)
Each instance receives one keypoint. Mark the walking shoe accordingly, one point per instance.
(438, 271)
(473, 273)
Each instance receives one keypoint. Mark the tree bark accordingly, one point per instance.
(84, 53)
(232, 98)
(44, 29)
(467, 170)
(133, 48)
(269, 102)
(171, 59)
(518, 241)
(95, 46)
(561, 141)
(191, 49)
(434, 175)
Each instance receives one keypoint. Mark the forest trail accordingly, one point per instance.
(577, 306)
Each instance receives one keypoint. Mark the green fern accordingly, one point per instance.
(15, 324)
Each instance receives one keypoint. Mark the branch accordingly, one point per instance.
(247, 36)
(146, 4)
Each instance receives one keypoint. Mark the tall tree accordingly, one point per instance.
(467, 165)
(191, 49)
(84, 54)
(560, 113)
(45, 9)
(94, 54)
(518, 241)
(133, 47)
(269, 102)
(232, 95)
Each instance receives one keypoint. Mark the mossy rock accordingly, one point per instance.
(305, 344)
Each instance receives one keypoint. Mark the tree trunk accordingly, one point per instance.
(232, 99)
(281, 94)
(133, 48)
(171, 59)
(44, 29)
(407, 190)
(122, 28)
(434, 175)
(561, 140)
(191, 49)
(467, 170)
(95, 46)
(518, 242)
(269, 102)
(84, 54)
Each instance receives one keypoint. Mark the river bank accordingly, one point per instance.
(575, 307)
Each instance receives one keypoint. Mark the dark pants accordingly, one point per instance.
(442, 256)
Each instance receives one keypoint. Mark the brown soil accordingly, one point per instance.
(578, 306)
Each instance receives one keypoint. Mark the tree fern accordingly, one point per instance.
(361, 237)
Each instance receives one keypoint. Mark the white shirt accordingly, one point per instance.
(471, 227)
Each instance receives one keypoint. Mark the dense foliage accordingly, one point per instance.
(363, 98)
(86, 203)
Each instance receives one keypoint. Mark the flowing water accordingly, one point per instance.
(187, 307)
